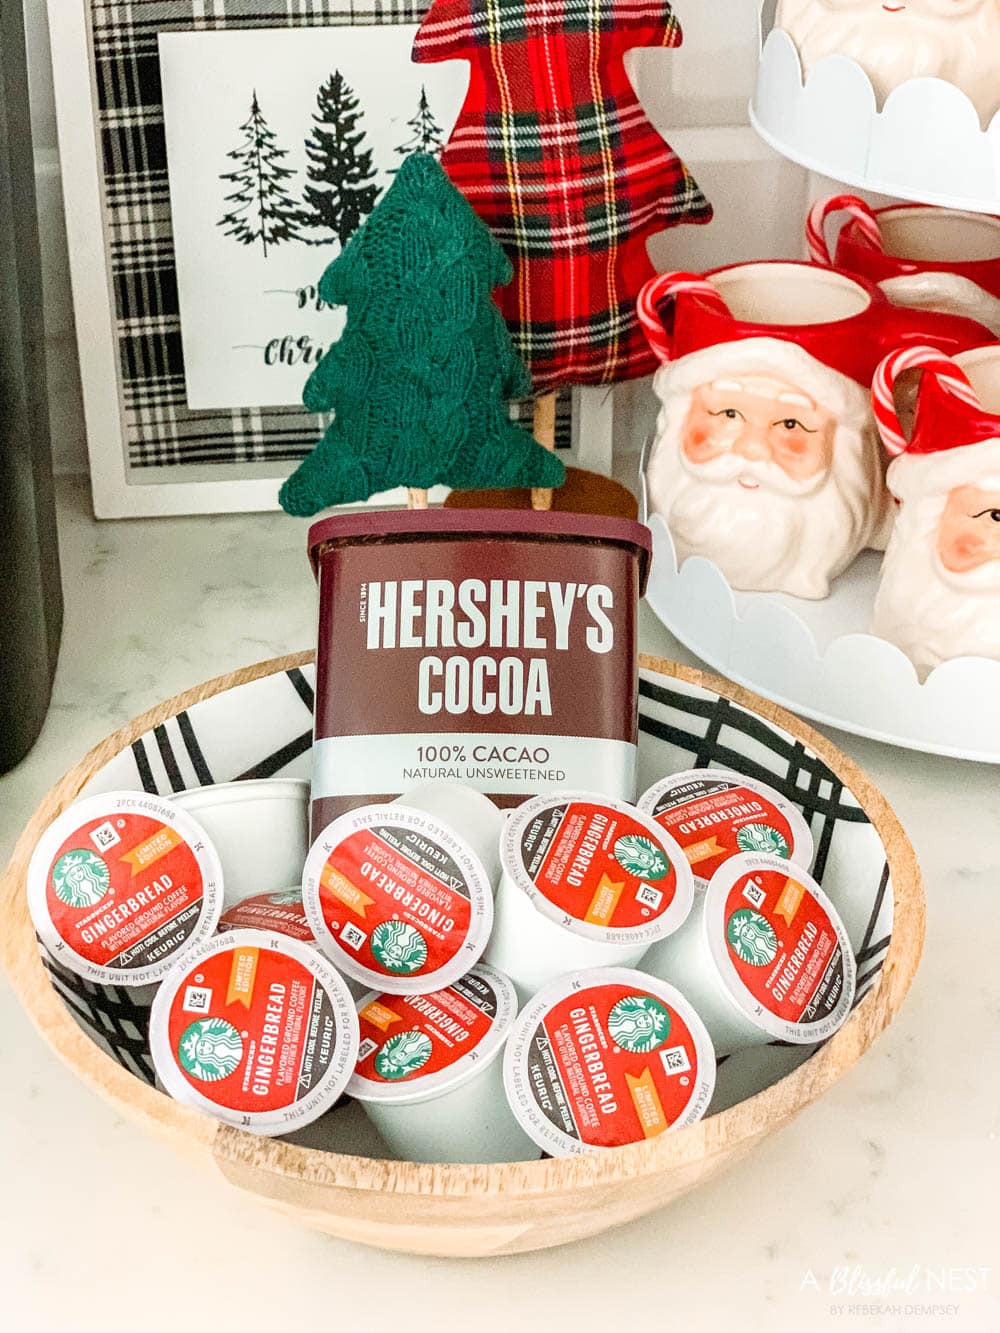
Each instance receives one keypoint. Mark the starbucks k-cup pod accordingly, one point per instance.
(605, 1057)
(256, 1029)
(121, 885)
(763, 957)
(585, 882)
(715, 813)
(430, 1073)
(468, 812)
(397, 899)
(259, 828)
(282, 912)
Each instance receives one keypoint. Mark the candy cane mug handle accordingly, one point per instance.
(820, 212)
(949, 375)
(657, 290)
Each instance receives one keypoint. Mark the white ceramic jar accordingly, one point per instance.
(763, 957)
(715, 813)
(397, 899)
(259, 827)
(430, 1072)
(256, 1029)
(121, 885)
(586, 881)
(606, 1057)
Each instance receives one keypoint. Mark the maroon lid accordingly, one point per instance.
(409, 523)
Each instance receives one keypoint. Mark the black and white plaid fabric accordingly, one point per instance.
(160, 430)
(680, 726)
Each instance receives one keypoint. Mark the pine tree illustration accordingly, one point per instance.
(260, 206)
(427, 134)
(342, 194)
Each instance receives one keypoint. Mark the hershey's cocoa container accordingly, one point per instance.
(491, 648)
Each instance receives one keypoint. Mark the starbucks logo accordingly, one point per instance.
(399, 947)
(761, 838)
(639, 1023)
(751, 937)
(80, 878)
(210, 1049)
(285, 898)
(403, 1054)
(641, 857)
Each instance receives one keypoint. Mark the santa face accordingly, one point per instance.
(754, 473)
(759, 420)
(896, 40)
(939, 593)
(969, 532)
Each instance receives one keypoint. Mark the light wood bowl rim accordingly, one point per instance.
(717, 1137)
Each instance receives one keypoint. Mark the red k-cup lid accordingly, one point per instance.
(282, 911)
(598, 867)
(716, 813)
(606, 1057)
(414, 1047)
(256, 1029)
(397, 899)
(121, 884)
(782, 952)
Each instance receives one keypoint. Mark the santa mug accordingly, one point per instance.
(954, 40)
(939, 593)
(766, 459)
(935, 258)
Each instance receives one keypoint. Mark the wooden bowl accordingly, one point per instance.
(687, 718)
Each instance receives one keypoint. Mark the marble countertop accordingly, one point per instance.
(892, 1178)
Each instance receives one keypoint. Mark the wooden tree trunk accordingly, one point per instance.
(545, 433)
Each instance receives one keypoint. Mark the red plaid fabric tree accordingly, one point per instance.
(555, 153)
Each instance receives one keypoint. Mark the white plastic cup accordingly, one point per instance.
(430, 1073)
(716, 813)
(606, 1057)
(122, 884)
(763, 957)
(585, 881)
(256, 1029)
(260, 828)
(397, 899)
(468, 812)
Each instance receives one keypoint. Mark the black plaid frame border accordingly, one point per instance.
(159, 428)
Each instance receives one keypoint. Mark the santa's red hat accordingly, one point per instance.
(956, 436)
(682, 313)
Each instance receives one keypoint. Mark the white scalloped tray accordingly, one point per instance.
(925, 144)
(817, 659)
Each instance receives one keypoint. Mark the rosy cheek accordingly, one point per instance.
(699, 444)
(963, 552)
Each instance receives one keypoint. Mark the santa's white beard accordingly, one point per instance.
(927, 611)
(767, 540)
(892, 48)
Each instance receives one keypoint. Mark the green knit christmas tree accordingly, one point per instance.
(422, 375)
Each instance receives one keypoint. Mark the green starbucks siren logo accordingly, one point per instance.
(399, 947)
(285, 898)
(403, 1054)
(210, 1049)
(80, 878)
(751, 937)
(639, 1023)
(761, 838)
(641, 857)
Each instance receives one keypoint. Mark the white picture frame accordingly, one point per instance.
(119, 489)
